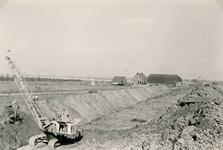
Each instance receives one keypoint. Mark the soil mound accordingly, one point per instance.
(13, 136)
(190, 127)
(206, 91)
(86, 107)
(91, 106)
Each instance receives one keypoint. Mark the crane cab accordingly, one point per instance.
(63, 129)
(55, 131)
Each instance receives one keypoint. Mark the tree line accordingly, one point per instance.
(9, 78)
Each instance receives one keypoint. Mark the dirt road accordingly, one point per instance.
(55, 92)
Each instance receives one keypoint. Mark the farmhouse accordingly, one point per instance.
(139, 78)
(119, 80)
(164, 79)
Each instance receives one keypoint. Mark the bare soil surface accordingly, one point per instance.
(197, 126)
(110, 130)
(138, 118)
(95, 105)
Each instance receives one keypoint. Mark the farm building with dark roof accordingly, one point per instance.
(119, 80)
(165, 79)
(139, 78)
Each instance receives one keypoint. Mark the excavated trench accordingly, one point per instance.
(85, 107)
(90, 106)
(194, 126)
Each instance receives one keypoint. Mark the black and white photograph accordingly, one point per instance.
(111, 74)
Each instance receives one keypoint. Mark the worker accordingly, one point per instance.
(60, 128)
(64, 129)
(66, 114)
(60, 117)
(35, 97)
(18, 109)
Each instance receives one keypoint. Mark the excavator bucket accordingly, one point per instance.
(60, 130)
(13, 114)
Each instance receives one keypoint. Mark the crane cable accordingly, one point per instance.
(7, 74)
(27, 76)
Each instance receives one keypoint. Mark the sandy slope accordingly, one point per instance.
(86, 107)
(193, 127)
(168, 126)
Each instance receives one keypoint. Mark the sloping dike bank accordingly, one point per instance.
(84, 107)
(90, 106)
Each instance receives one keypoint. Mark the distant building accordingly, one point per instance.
(164, 79)
(139, 78)
(93, 83)
(119, 80)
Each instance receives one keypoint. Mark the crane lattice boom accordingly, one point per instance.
(27, 95)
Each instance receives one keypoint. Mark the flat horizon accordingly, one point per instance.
(113, 38)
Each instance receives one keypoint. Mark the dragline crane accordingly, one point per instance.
(55, 132)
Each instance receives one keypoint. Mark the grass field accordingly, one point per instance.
(57, 86)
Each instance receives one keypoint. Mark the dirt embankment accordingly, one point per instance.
(190, 127)
(86, 107)
(194, 126)
(90, 106)
(13, 136)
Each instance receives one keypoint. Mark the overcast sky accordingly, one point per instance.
(104, 38)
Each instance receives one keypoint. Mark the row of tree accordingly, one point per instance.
(9, 78)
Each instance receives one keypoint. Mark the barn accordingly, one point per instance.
(139, 78)
(119, 80)
(164, 79)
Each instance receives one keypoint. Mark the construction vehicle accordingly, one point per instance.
(183, 102)
(58, 131)
(13, 114)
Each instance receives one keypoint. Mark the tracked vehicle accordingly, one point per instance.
(55, 132)
(12, 112)
(193, 101)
